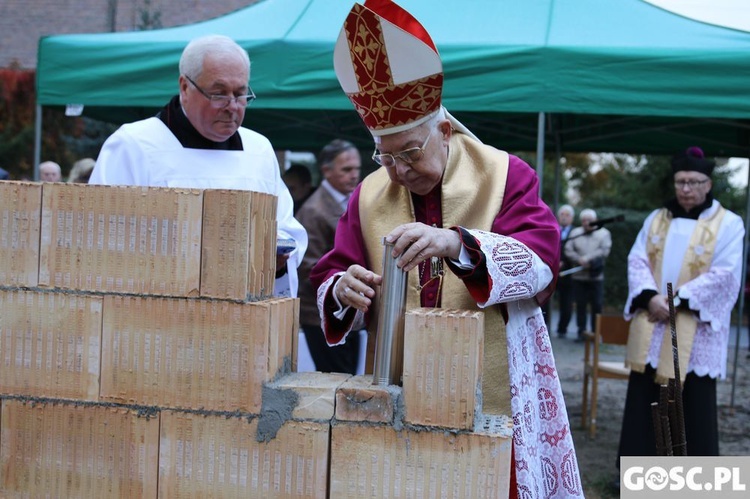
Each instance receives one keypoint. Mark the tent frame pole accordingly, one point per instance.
(37, 141)
(540, 151)
(740, 311)
(558, 159)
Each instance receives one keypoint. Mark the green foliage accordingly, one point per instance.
(551, 176)
(64, 139)
(641, 183)
(16, 121)
(85, 139)
(14, 145)
(730, 197)
(616, 265)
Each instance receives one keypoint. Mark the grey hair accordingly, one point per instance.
(566, 208)
(587, 213)
(191, 61)
(81, 170)
(49, 164)
(331, 151)
(433, 120)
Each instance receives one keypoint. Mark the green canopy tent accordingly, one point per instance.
(619, 76)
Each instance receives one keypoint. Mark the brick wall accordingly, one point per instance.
(23, 22)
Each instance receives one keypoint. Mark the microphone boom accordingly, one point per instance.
(603, 221)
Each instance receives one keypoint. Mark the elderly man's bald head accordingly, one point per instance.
(49, 171)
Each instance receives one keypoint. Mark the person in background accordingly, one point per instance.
(197, 141)
(695, 244)
(588, 246)
(340, 165)
(747, 300)
(49, 171)
(299, 182)
(81, 171)
(4, 175)
(444, 199)
(564, 290)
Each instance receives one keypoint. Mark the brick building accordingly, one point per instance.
(24, 22)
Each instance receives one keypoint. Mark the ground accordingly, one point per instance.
(597, 457)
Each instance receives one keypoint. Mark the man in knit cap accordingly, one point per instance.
(466, 222)
(696, 245)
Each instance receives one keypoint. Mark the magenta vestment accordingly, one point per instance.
(543, 453)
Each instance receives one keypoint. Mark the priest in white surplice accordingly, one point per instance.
(695, 244)
(196, 141)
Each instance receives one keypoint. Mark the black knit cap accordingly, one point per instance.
(692, 160)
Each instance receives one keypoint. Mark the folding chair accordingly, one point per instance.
(613, 330)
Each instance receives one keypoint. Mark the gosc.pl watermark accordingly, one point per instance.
(705, 477)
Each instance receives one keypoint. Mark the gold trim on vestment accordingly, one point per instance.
(696, 261)
(473, 187)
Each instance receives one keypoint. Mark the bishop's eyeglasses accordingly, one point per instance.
(408, 156)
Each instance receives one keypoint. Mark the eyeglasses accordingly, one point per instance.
(691, 184)
(219, 101)
(408, 156)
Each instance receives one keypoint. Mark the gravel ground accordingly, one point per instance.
(597, 457)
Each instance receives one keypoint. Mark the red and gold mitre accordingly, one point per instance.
(388, 66)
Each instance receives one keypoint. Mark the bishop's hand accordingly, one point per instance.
(416, 242)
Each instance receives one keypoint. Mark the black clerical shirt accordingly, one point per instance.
(174, 117)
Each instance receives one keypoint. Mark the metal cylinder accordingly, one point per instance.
(389, 344)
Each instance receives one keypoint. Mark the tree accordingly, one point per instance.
(16, 120)
(60, 143)
(638, 182)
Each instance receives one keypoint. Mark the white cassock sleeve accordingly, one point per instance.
(289, 228)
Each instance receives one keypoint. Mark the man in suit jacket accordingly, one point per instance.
(340, 165)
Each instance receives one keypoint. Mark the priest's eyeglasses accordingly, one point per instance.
(408, 156)
(219, 101)
(690, 184)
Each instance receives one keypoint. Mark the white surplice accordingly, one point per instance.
(147, 153)
(712, 294)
